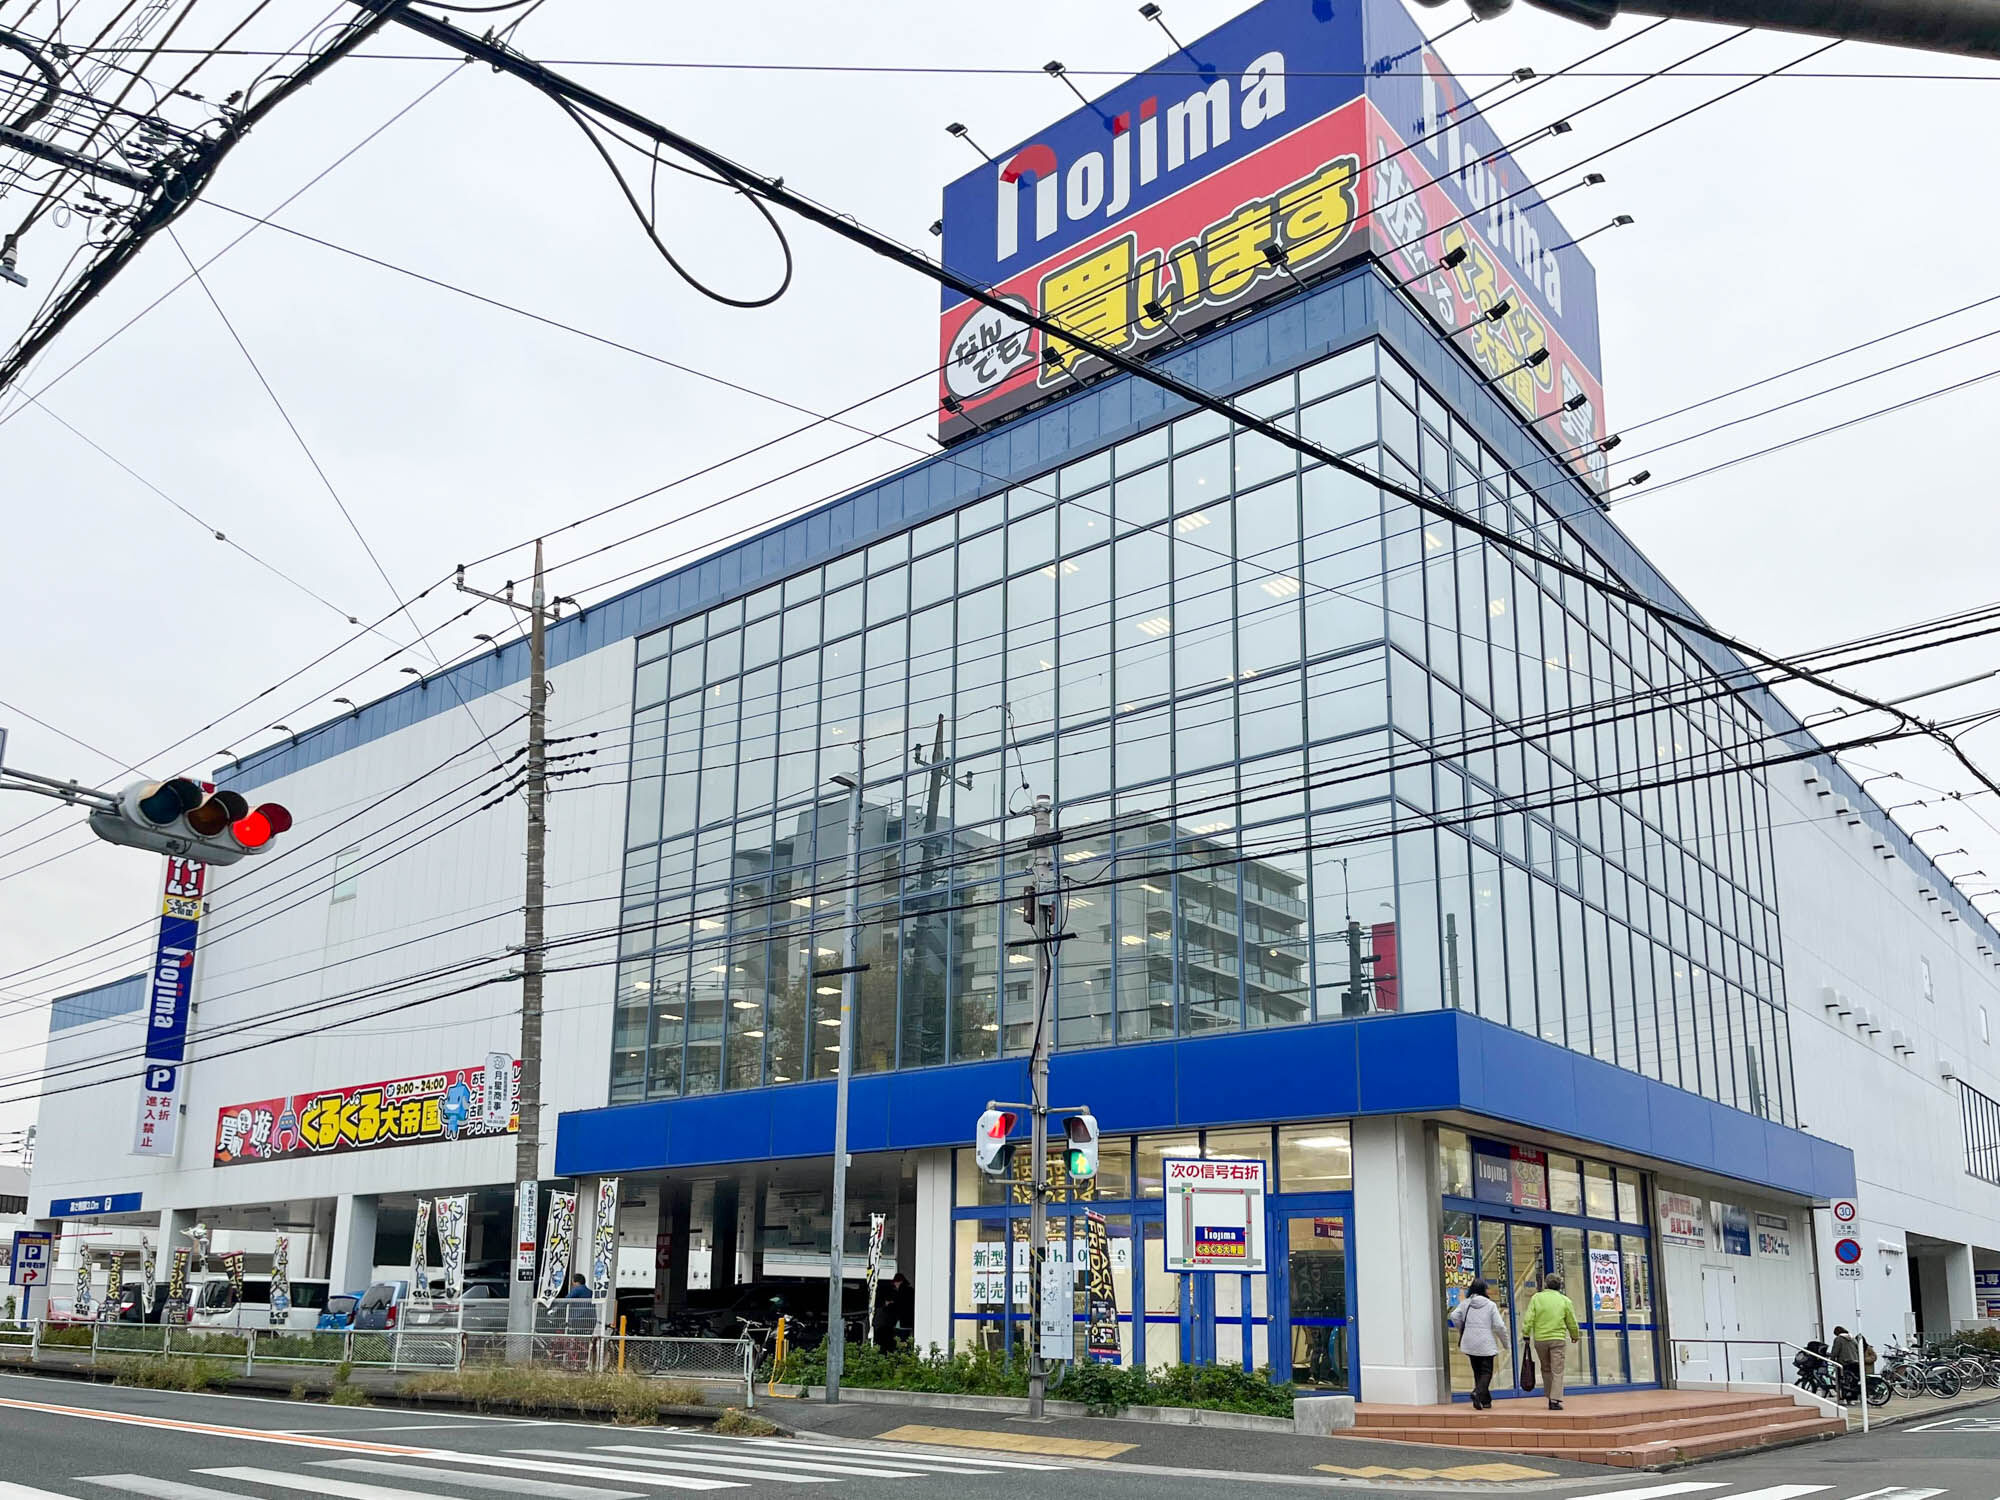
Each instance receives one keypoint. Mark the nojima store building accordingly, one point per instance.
(1512, 929)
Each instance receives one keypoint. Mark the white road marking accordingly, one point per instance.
(576, 1471)
(838, 1466)
(511, 1484)
(1654, 1491)
(161, 1489)
(1898, 1492)
(410, 1427)
(1781, 1492)
(918, 1453)
(314, 1484)
(23, 1492)
(748, 1469)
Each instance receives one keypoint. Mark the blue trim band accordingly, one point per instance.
(1386, 1065)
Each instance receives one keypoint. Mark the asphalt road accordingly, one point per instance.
(66, 1438)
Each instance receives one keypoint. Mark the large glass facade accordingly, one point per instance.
(1313, 756)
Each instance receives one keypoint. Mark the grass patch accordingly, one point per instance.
(631, 1400)
(1104, 1388)
(311, 1348)
(736, 1422)
(75, 1336)
(173, 1373)
(348, 1395)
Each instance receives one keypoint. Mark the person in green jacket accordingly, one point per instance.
(1547, 1322)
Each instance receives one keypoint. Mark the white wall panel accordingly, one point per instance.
(297, 991)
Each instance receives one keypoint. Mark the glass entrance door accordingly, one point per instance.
(1316, 1273)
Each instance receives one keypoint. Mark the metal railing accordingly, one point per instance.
(729, 1362)
(1760, 1361)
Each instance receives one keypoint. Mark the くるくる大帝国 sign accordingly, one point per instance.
(445, 1106)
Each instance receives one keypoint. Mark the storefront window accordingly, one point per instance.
(1565, 1189)
(1599, 1201)
(1629, 1211)
(1114, 1171)
(1454, 1163)
(1316, 1159)
(1152, 1150)
(1250, 1143)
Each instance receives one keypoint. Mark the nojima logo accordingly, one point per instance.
(1102, 184)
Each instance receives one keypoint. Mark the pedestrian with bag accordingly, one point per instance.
(1548, 1324)
(1482, 1334)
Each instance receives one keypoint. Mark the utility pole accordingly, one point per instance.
(850, 973)
(1041, 914)
(528, 1142)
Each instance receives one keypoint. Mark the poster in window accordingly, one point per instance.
(1100, 1292)
(1607, 1284)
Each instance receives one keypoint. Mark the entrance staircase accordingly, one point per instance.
(1629, 1430)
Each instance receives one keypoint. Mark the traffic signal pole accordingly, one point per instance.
(850, 973)
(1042, 897)
(528, 1142)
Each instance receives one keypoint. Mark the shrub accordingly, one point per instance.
(171, 1373)
(736, 1422)
(1104, 1388)
(632, 1400)
(67, 1336)
(349, 1395)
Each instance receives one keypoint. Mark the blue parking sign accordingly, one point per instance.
(33, 1257)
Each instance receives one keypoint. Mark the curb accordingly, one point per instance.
(1015, 1406)
(1986, 1399)
(378, 1396)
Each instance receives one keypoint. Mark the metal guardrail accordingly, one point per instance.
(1781, 1368)
(597, 1351)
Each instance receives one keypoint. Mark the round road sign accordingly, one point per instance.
(1844, 1210)
(1847, 1252)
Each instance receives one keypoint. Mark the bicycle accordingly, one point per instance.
(1918, 1373)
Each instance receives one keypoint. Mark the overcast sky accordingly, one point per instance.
(1805, 215)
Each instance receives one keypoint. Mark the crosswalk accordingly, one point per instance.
(610, 1470)
(1718, 1490)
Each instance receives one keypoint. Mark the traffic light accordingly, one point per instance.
(1082, 1133)
(192, 820)
(990, 1146)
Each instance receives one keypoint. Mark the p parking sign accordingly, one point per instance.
(33, 1257)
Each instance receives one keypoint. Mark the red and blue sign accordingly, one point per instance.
(1221, 1241)
(169, 995)
(1253, 158)
(1847, 1251)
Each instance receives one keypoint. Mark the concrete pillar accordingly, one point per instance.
(1397, 1281)
(722, 1239)
(925, 1256)
(351, 1262)
(1961, 1300)
(676, 1222)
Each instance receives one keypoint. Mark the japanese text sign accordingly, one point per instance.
(1297, 137)
(446, 1106)
(169, 998)
(1215, 1214)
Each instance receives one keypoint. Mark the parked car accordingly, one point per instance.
(480, 1308)
(381, 1307)
(213, 1304)
(338, 1314)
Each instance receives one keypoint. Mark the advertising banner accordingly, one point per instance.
(561, 1239)
(451, 1215)
(525, 1211)
(1683, 1220)
(1100, 1305)
(1215, 1214)
(281, 1275)
(148, 1272)
(1294, 138)
(362, 1117)
(114, 1284)
(170, 989)
(1733, 1227)
(232, 1267)
(420, 1251)
(81, 1308)
(1509, 1174)
(1607, 1284)
(604, 1240)
(1774, 1236)
(1986, 1290)
(1461, 1268)
(176, 1307)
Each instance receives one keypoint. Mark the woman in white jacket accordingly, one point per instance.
(1482, 1334)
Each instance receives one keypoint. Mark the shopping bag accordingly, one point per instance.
(1527, 1366)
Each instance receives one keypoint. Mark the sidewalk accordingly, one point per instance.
(1903, 1409)
(1153, 1445)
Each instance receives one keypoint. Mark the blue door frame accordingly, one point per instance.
(1280, 1209)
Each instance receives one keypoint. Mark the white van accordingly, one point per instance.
(212, 1304)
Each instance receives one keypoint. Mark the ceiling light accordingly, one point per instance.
(1282, 587)
(1156, 627)
(744, 1005)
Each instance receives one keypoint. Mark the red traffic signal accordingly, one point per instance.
(191, 820)
(259, 826)
(990, 1147)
